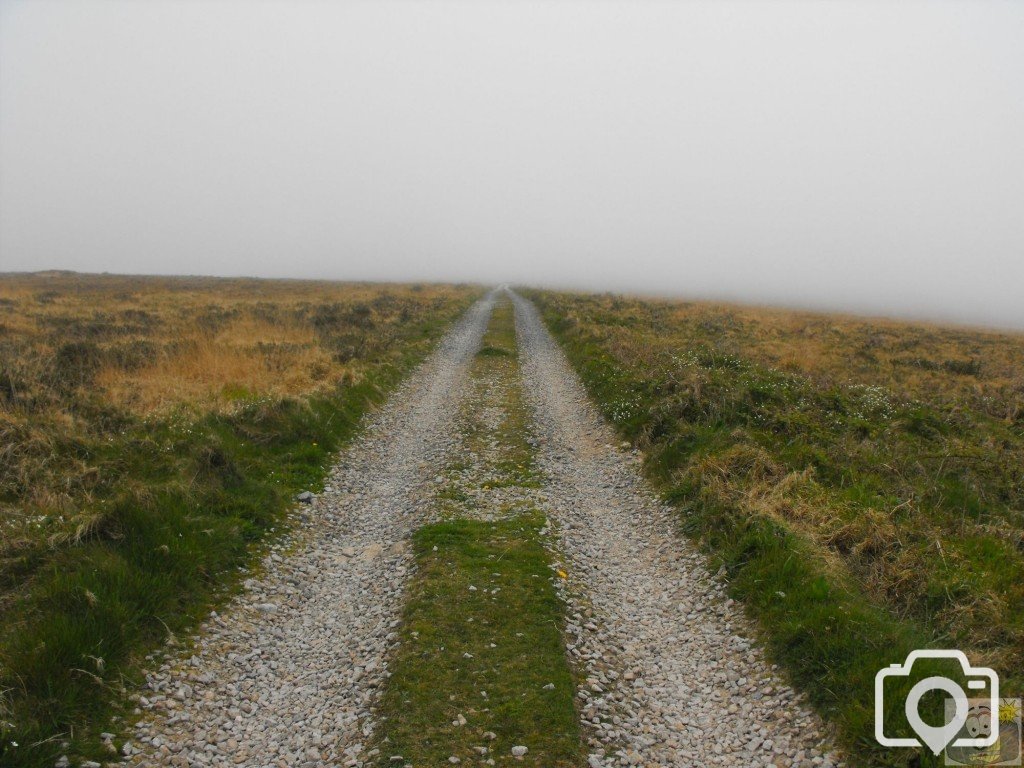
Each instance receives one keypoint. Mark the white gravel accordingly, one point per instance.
(287, 675)
(672, 678)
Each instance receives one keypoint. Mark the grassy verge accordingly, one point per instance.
(857, 519)
(481, 642)
(175, 504)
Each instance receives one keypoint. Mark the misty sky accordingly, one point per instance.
(856, 155)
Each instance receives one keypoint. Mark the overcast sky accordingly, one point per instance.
(856, 155)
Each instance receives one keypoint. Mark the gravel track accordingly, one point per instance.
(672, 678)
(288, 674)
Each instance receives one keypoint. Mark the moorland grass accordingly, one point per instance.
(862, 506)
(123, 527)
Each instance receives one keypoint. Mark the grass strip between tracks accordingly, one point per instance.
(482, 632)
(482, 643)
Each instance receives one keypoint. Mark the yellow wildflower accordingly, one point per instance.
(1009, 710)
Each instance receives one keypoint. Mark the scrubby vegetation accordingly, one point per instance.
(862, 482)
(152, 432)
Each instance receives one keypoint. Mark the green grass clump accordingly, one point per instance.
(481, 637)
(862, 509)
(488, 350)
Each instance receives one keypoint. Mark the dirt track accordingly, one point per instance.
(288, 674)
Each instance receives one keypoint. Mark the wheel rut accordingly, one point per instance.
(672, 675)
(287, 674)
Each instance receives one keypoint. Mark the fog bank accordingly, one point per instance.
(864, 156)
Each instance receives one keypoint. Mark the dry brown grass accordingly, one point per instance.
(918, 360)
(201, 342)
(83, 357)
(207, 370)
